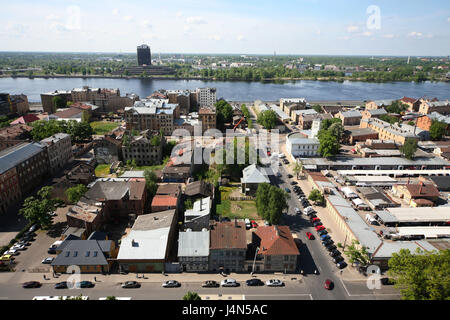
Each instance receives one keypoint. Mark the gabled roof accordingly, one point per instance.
(28, 118)
(276, 240)
(11, 157)
(200, 187)
(164, 200)
(424, 190)
(252, 174)
(409, 100)
(83, 252)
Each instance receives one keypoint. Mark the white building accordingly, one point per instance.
(193, 250)
(59, 151)
(298, 146)
(206, 97)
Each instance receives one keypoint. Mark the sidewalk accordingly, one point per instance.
(348, 273)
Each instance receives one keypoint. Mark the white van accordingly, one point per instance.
(248, 224)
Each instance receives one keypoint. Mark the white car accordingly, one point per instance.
(228, 283)
(297, 210)
(18, 247)
(48, 260)
(274, 283)
(12, 252)
(171, 284)
(308, 210)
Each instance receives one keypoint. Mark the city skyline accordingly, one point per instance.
(229, 27)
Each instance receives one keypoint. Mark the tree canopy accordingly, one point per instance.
(356, 253)
(270, 202)
(317, 197)
(267, 119)
(421, 276)
(192, 296)
(74, 194)
(329, 144)
(79, 131)
(409, 148)
(437, 129)
(37, 210)
(150, 182)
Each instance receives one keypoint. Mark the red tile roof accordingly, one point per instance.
(228, 235)
(426, 190)
(28, 118)
(164, 201)
(276, 240)
(409, 100)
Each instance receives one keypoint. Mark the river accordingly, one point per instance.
(237, 90)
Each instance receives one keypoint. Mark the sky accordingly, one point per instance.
(300, 27)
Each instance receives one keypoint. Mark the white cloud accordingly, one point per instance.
(352, 29)
(146, 24)
(127, 18)
(115, 12)
(215, 37)
(240, 37)
(415, 34)
(52, 17)
(388, 36)
(59, 27)
(366, 34)
(195, 20)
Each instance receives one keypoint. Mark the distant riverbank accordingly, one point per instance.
(280, 80)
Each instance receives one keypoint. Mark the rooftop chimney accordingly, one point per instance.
(420, 189)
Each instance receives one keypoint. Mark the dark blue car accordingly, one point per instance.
(324, 237)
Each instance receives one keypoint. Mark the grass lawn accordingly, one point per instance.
(102, 127)
(102, 170)
(235, 209)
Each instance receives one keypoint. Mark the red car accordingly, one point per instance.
(315, 219)
(318, 228)
(328, 284)
(310, 236)
(254, 224)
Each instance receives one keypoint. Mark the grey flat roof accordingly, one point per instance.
(193, 244)
(388, 248)
(366, 235)
(11, 157)
(385, 216)
(376, 161)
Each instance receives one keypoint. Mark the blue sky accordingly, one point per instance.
(333, 27)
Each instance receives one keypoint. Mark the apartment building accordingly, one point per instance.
(305, 120)
(349, 118)
(47, 99)
(107, 100)
(30, 162)
(373, 113)
(291, 104)
(387, 131)
(152, 114)
(427, 107)
(206, 97)
(5, 104)
(182, 98)
(14, 134)
(59, 151)
(207, 117)
(9, 188)
(146, 149)
(377, 104)
(193, 250)
(299, 146)
(425, 122)
(412, 103)
(19, 104)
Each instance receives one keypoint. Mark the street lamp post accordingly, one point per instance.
(254, 260)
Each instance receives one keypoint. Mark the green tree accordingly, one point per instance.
(337, 130)
(298, 168)
(150, 182)
(437, 129)
(328, 144)
(74, 194)
(43, 129)
(193, 296)
(316, 196)
(267, 119)
(270, 202)
(85, 116)
(421, 276)
(317, 108)
(57, 103)
(356, 253)
(409, 148)
(326, 123)
(37, 210)
(388, 118)
(188, 204)
(111, 298)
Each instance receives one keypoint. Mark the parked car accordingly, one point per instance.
(254, 224)
(322, 232)
(386, 281)
(328, 284)
(331, 247)
(171, 284)
(310, 236)
(51, 251)
(31, 284)
(84, 284)
(293, 183)
(48, 260)
(290, 176)
(33, 228)
(131, 285)
(52, 214)
(298, 211)
(12, 252)
(61, 285)
(248, 224)
(341, 265)
(335, 253)
(315, 219)
(337, 259)
(254, 282)
(287, 190)
(229, 283)
(266, 223)
(19, 246)
(225, 219)
(327, 242)
(210, 284)
(274, 283)
(318, 223)
(6, 257)
(318, 228)
(309, 210)
(325, 237)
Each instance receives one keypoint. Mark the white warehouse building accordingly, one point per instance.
(299, 146)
